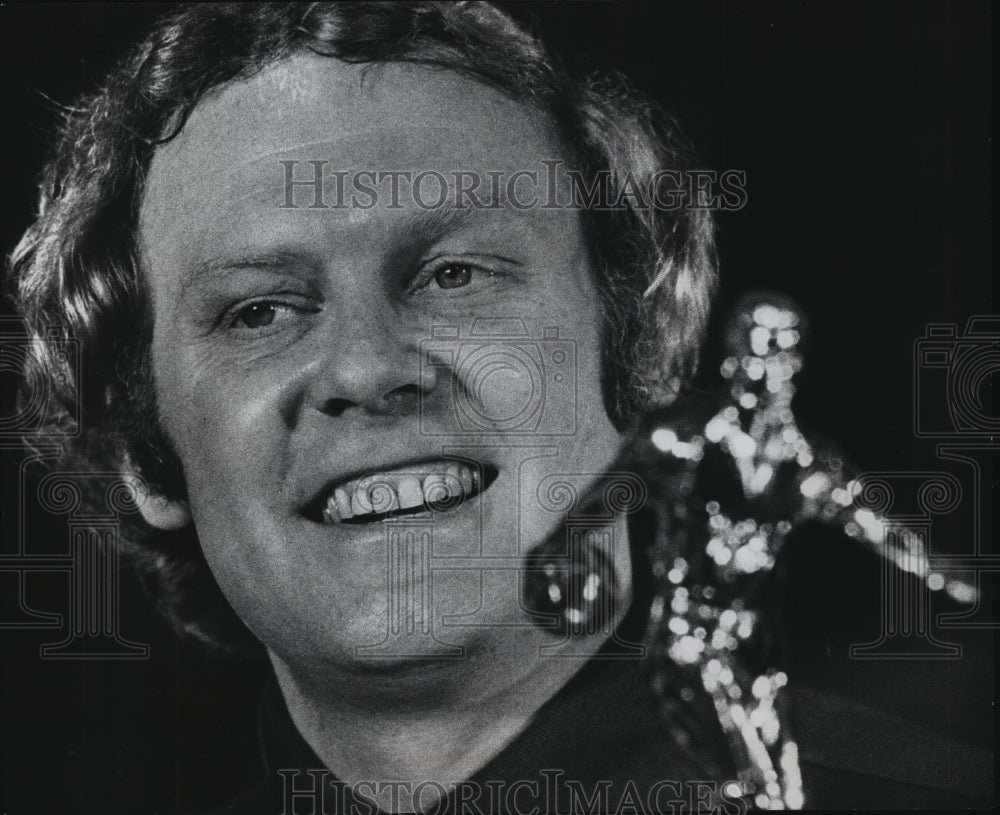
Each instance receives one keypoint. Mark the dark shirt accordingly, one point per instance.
(597, 746)
(872, 734)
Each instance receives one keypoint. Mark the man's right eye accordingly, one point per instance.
(259, 315)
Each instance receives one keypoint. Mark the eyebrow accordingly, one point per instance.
(431, 224)
(224, 265)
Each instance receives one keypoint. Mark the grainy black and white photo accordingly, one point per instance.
(515, 407)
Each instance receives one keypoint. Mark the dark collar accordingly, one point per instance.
(598, 736)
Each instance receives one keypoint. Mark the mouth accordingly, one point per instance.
(433, 486)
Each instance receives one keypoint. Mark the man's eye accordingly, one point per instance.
(444, 274)
(453, 276)
(257, 315)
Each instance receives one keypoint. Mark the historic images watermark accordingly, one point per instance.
(319, 792)
(318, 184)
(92, 504)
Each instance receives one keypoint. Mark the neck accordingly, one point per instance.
(425, 720)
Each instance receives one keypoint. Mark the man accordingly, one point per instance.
(284, 343)
(293, 400)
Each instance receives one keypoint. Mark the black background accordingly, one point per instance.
(865, 133)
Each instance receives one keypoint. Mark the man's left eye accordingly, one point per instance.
(453, 276)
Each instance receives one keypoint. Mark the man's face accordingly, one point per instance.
(295, 352)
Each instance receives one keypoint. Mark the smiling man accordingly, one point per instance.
(354, 409)
(286, 356)
(368, 298)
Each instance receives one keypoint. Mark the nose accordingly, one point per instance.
(369, 363)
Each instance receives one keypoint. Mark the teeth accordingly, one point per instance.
(411, 494)
(343, 503)
(434, 489)
(361, 502)
(465, 478)
(383, 497)
(383, 493)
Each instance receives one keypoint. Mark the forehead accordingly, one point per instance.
(227, 162)
(325, 99)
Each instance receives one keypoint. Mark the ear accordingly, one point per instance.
(166, 514)
(160, 512)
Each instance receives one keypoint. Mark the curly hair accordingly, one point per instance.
(76, 271)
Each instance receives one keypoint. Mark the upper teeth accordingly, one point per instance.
(384, 492)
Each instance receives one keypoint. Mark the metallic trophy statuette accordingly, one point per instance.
(727, 482)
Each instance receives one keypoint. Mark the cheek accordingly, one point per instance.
(595, 430)
(587, 330)
(221, 422)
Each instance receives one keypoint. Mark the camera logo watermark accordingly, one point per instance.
(965, 370)
(503, 380)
